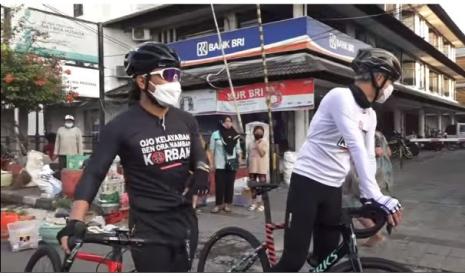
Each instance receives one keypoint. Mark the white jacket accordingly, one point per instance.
(339, 130)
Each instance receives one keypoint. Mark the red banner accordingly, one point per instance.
(285, 95)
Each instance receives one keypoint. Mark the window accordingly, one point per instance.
(446, 49)
(165, 36)
(446, 87)
(77, 10)
(408, 70)
(393, 9)
(424, 29)
(199, 29)
(408, 18)
(433, 81)
(433, 38)
(440, 44)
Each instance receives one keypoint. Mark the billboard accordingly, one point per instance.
(67, 38)
(281, 36)
(84, 81)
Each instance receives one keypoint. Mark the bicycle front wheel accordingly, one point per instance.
(370, 264)
(233, 249)
(45, 259)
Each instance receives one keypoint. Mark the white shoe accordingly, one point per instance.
(253, 207)
(261, 208)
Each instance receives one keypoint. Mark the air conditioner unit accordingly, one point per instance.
(141, 34)
(120, 72)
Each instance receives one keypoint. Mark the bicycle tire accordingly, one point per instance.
(232, 231)
(371, 263)
(44, 251)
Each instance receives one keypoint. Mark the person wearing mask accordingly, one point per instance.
(226, 151)
(68, 141)
(258, 164)
(343, 128)
(158, 144)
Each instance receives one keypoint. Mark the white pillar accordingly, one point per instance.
(452, 118)
(230, 22)
(421, 123)
(439, 121)
(301, 122)
(398, 120)
(298, 10)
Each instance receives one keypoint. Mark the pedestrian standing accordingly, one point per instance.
(226, 150)
(68, 141)
(195, 197)
(384, 178)
(258, 164)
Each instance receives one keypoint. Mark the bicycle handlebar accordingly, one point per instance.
(115, 238)
(377, 215)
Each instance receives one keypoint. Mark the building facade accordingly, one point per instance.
(308, 43)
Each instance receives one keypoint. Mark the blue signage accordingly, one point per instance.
(301, 33)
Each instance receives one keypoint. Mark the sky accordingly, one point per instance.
(455, 9)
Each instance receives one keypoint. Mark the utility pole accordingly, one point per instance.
(273, 156)
(101, 69)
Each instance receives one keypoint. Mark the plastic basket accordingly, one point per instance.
(75, 162)
(48, 232)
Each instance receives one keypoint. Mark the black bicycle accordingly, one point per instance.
(233, 249)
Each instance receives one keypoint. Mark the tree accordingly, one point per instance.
(28, 80)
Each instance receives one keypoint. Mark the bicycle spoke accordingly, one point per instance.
(232, 253)
(43, 265)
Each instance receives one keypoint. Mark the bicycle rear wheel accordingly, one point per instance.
(45, 259)
(370, 264)
(233, 249)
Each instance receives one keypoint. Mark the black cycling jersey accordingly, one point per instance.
(156, 155)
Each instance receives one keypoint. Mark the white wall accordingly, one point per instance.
(114, 55)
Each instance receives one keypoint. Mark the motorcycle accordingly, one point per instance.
(402, 147)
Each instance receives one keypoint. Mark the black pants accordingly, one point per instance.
(256, 177)
(311, 207)
(224, 190)
(177, 233)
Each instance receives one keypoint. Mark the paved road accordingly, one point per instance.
(431, 238)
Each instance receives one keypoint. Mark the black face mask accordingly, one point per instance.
(258, 136)
(359, 96)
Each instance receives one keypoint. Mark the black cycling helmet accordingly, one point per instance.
(148, 56)
(373, 60)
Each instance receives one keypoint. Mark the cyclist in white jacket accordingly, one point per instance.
(343, 128)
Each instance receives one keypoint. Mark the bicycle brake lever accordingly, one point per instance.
(389, 228)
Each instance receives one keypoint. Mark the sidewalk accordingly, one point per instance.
(431, 237)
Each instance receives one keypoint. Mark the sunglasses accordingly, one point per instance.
(168, 74)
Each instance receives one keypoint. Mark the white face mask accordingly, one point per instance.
(69, 125)
(385, 93)
(167, 94)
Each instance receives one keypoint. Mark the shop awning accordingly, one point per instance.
(278, 67)
(419, 95)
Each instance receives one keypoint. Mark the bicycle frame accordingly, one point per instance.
(114, 262)
(348, 247)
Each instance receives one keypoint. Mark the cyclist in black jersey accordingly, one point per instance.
(158, 144)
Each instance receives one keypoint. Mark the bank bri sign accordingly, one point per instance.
(281, 36)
